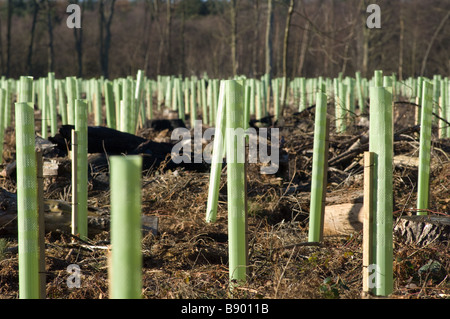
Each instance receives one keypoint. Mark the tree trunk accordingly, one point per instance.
(105, 42)
(8, 38)
(433, 38)
(400, 46)
(255, 40)
(30, 45)
(304, 48)
(169, 35)
(285, 51)
(269, 35)
(233, 42)
(78, 36)
(50, 51)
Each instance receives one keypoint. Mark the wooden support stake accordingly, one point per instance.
(367, 219)
(41, 223)
(325, 175)
(74, 183)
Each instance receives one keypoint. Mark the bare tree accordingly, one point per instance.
(105, 42)
(8, 37)
(269, 35)
(50, 50)
(233, 42)
(32, 33)
(78, 36)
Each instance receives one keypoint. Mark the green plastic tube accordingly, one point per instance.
(62, 102)
(447, 108)
(203, 99)
(81, 116)
(359, 93)
(276, 99)
(26, 89)
(341, 111)
(302, 104)
(126, 259)
(52, 104)
(318, 169)
(236, 182)
(2, 123)
(44, 107)
(381, 144)
(193, 113)
(7, 101)
(443, 109)
(217, 158)
(110, 105)
(423, 187)
(126, 110)
(71, 96)
(27, 202)
(138, 93)
(97, 99)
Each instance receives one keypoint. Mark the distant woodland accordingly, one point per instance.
(222, 38)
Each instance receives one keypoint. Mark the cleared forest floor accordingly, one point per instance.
(188, 258)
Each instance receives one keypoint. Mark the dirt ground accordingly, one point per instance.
(188, 258)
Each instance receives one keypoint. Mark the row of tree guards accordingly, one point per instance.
(227, 104)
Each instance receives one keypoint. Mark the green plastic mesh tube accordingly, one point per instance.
(44, 106)
(26, 89)
(126, 259)
(447, 108)
(318, 169)
(381, 144)
(341, 110)
(126, 111)
(138, 97)
(203, 99)
(302, 104)
(62, 103)
(359, 93)
(180, 98)
(423, 187)
(443, 108)
(97, 96)
(2, 123)
(52, 104)
(236, 182)
(276, 98)
(193, 113)
(217, 158)
(7, 101)
(81, 110)
(70, 93)
(27, 202)
(110, 106)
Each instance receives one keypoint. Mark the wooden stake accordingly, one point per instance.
(41, 223)
(367, 219)
(74, 183)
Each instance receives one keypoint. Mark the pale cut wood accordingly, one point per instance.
(367, 219)
(343, 219)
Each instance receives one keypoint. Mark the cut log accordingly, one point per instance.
(343, 219)
(422, 230)
(100, 140)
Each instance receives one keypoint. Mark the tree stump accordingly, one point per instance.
(422, 230)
